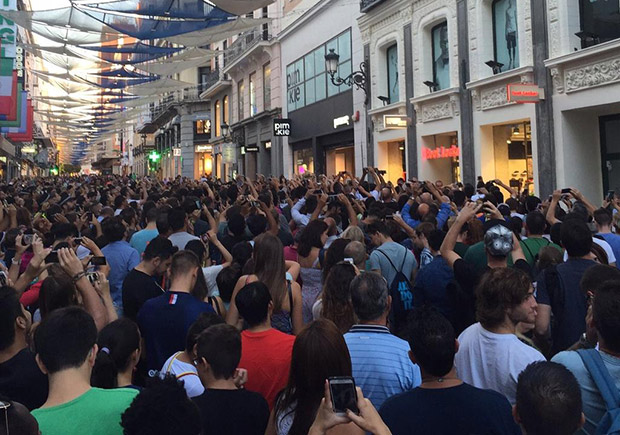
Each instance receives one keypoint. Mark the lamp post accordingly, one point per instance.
(357, 78)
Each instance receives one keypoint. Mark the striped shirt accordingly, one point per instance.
(381, 364)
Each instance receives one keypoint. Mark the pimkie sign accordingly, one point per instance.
(440, 153)
(524, 93)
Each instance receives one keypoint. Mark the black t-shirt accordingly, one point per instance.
(22, 381)
(464, 297)
(229, 241)
(232, 412)
(138, 287)
(458, 410)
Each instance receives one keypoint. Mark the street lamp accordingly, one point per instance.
(357, 78)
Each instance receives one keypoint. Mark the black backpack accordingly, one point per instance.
(402, 297)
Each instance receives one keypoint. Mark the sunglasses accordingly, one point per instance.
(5, 406)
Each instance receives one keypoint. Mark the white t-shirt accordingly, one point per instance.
(210, 274)
(181, 239)
(493, 361)
(184, 372)
(603, 244)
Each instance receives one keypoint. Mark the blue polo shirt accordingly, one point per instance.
(381, 364)
(164, 322)
(122, 259)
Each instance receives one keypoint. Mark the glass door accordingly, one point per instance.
(610, 151)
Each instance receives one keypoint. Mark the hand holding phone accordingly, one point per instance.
(344, 395)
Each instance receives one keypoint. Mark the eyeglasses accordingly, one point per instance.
(5, 406)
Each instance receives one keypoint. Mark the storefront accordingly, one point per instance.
(327, 123)
(203, 160)
(440, 158)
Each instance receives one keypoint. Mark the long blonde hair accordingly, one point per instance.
(270, 268)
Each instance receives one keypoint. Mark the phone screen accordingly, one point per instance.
(567, 190)
(343, 394)
(98, 261)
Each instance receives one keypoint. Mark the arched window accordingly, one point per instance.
(225, 110)
(441, 55)
(505, 34)
(392, 73)
(218, 118)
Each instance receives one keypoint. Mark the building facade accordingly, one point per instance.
(440, 72)
(328, 123)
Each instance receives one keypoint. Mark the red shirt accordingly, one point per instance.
(267, 358)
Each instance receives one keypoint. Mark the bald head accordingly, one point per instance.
(356, 251)
(423, 209)
(426, 198)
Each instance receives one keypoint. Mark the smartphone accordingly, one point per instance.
(93, 277)
(78, 240)
(4, 279)
(344, 395)
(318, 192)
(349, 260)
(52, 257)
(389, 216)
(255, 204)
(198, 205)
(27, 239)
(98, 261)
(90, 216)
(566, 190)
(610, 195)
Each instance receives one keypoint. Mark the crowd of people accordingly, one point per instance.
(142, 306)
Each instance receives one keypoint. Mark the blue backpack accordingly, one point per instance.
(610, 422)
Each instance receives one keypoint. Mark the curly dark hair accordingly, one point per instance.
(162, 407)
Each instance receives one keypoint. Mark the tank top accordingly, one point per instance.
(282, 320)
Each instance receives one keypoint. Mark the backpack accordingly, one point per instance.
(401, 292)
(610, 422)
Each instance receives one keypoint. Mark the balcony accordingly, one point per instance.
(166, 109)
(245, 43)
(215, 82)
(366, 5)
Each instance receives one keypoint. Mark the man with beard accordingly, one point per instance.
(491, 356)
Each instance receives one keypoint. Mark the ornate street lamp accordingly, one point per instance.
(357, 78)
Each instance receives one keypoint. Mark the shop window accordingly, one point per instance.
(306, 79)
(225, 111)
(441, 55)
(203, 127)
(303, 161)
(253, 108)
(241, 100)
(218, 119)
(267, 86)
(506, 34)
(392, 74)
(600, 21)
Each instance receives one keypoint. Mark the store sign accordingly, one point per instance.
(281, 127)
(19, 64)
(204, 148)
(395, 121)
(440, 153)
(176, 152)
(251, 149)
(528, 93)
(229, 153)
(8, 30)
(295, 83)
(343, 120)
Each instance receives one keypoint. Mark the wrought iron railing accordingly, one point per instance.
(245, 42)
(366, 5)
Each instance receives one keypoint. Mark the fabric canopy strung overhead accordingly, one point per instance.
(164, 85)
(148, 28)
(171, 68)
(241, 7)
(193, 9)
(211, 35)
(133, 53)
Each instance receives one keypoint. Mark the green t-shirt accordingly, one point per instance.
(531, 248)
(476, 255)
(96, 412)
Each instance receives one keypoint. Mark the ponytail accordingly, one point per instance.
(117, 342)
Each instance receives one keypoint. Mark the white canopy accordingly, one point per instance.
(217, 33)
